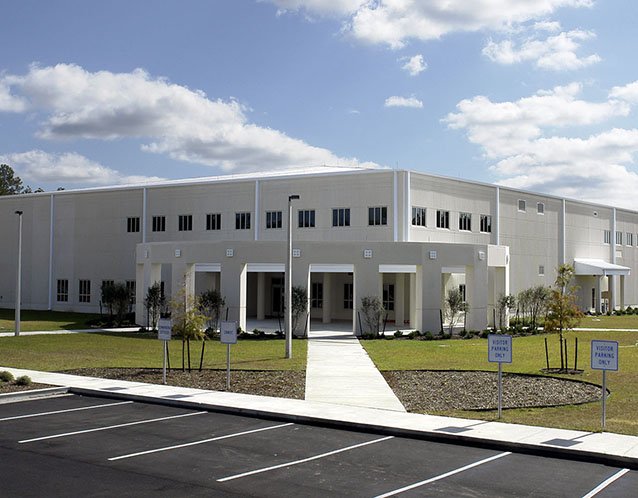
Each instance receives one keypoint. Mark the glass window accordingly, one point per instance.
(486, 223)
(540, 208)
(316, 297)
(185, 222)
(133, 224)
(418, 216)
(442, 219)
(541, 270)
(63, 291)
(388, 297)
(377, 216)
(130, 287)
(306, 218)
(214, 221)
(242, 221)
(618, 238)
(465, 221)
(630, 239)
(273, 219)
(159, 224)
(607, 236)
(84, 291)
(522, 205)
(462, 290)
(348, 292)
(341, 217)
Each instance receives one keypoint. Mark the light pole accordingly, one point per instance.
(289, 280)
(19, 279)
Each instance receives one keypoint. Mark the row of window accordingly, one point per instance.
(443, 220)
(84, 290)
(629, 238)
(522, 207)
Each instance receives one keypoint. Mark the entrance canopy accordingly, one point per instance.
(598, 267)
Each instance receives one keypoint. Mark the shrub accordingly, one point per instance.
(427, 335)
(462, 333)
(24, 380)
(6, 376)
(398, 334)
(485, 333)
(413, 334)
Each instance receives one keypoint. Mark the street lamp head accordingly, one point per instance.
(293, 197)
(19, 213)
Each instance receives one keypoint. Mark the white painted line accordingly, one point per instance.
(17, 417)
(194, 443)
(304, 460)
(606, 483)
(443, 476)
(128, 424)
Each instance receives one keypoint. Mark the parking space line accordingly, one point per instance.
(303, 460)
(194, 443)
(91, 407)
(443, 476)
(96, 429)
(606, 483)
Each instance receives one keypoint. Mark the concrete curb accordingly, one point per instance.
(32, 394)
(426, 435)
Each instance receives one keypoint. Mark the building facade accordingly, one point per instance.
(405, 236)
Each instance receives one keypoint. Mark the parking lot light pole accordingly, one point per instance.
(289, 280)
(19, 278)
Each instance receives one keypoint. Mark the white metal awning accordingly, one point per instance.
(598, 267)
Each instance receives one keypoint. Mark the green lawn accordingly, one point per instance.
(32, 320)
(54, 352)
(529, 357)
(609, 322)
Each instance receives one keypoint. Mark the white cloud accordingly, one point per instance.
(8, 102)
(556, 53)
(175, 120)
(415, 65)
(628, 92)
(70, 168)
(395, 101)
(521, 137)
(319, 6)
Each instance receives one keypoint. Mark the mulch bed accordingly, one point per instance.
(12, 387)
(432, 391)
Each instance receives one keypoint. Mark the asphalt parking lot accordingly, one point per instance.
(74, 445)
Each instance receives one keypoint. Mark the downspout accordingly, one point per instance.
(144, 216)
(408, 201)
(395, 212)
(497, 224)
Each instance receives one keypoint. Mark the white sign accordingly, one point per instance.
(228, 332)
(499, 348)
(164, 329)
(604, 355)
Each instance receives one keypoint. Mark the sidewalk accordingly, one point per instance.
(607, 448)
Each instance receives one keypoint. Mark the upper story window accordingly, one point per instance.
(630, 239)
(607, 236)
(185, 222)
(442, 219)
(133, 224)
(273, 219)
(159, 224)
(242, 221)
(522, 205)
(341, 217)
(62, 295)
(486, 223)
(618, 238)
(214, 221)
(378, 216)
(418, 216)
(84, 291)
(540, 208)
(306, 218)
(465, 221)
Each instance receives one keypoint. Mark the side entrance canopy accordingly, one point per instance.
(598, 267)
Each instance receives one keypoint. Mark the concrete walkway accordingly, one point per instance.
(340, 371)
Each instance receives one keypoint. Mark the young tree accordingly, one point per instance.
(211, 303)
(538, 303)
(523, 299)
(121, 298)
(107, 290)
(454, 306)
(154, 302)
(299, 305)
(188, 320)
(372, 309)
(503, 305)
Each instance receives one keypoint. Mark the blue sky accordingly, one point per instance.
(536, 94)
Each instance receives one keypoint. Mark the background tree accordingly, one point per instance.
(188, 320)
(299, 305)
(154, 302)
(539, 296)
(211, 303)
(372, 309)
(108, 297)
(523, 300)
(454, 306)
(121, 299)
(9, 183)
(503, 305)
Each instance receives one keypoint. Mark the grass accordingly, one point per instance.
(529, 357)
(34, 320)
(610, 322)
(56, 352)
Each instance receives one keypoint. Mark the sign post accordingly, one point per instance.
(164, 329)
(604, 356)
(228, 336)
(499, 350)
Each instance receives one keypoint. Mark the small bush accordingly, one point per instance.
(414, 334)
(427, 335)
(6, 376)
(398, 334)
(462, 333)
(24, 380)
(484, 334)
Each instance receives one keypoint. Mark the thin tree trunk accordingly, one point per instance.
(188, 346)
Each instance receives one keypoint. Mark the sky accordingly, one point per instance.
(540, 95)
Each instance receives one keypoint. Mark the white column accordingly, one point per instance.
(407, 215)
(242, 298)
(562, 224)
(497, 221)
(599, 294)
(622, 292)
(144, 216)
(395, 206)
(399, 300)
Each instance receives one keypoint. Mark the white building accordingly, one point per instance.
(403, 235)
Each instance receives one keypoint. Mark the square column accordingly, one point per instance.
(612, 292)
(622, 292)
(399, 300)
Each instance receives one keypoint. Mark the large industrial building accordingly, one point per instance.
(402, 235)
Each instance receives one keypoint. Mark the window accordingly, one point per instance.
(130, 288)
(214, 221)
(465, 221)
(486, 223)
(388, 297)
(377, 216)
(273, 219)
(418, 216)
(540, 208)
(316, 297)
(442, 219)
(341, 217)
(133, 224)
(618, 238)
(159, 223)
(306, 218)
(607, 237)
(242, 221)
(462, 291)
(63, 291)
(541, 270)
(630, 239)
(348, 293)
(522, 206)
(185, 222)
(84, 292)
